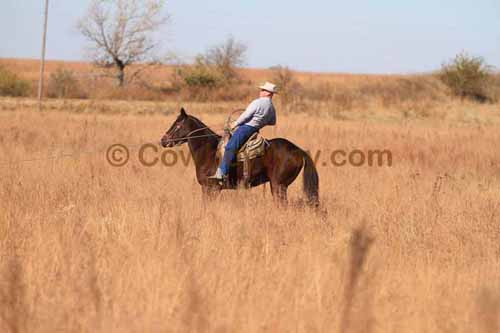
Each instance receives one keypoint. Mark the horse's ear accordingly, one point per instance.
(183, 112)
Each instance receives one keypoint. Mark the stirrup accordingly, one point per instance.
(218, 175)
(218, 181)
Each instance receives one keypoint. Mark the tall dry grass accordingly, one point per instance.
(86, 247)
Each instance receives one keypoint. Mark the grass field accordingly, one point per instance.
(87, 247)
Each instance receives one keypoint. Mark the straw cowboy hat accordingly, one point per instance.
(268, 86)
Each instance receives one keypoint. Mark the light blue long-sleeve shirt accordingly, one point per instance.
(258, 114)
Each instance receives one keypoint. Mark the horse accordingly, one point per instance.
(280, 165)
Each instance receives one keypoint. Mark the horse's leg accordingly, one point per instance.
(283, 193)
(279, 192)
(209, 193)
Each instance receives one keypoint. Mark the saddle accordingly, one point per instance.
(254, 147)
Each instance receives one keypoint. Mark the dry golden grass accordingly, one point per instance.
(86, 247)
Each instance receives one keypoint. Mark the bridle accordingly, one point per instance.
(181, 140)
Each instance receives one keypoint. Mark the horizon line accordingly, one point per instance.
(299, 71)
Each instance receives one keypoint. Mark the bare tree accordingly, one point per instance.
(226, 57)
(121, 32)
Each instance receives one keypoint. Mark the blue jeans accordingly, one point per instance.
(240, 136)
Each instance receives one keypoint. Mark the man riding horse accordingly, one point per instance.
(280, 163)
(258, 114)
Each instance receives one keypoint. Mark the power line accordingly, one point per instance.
(42, 60)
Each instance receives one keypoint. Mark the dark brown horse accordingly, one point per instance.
(280, 165)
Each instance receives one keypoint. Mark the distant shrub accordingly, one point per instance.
(199, 75)
(467, 76)
(12, 85)
(212, 71)
(288, 87)
(198, 81)
(200, 78)
(63, 84)
(495, 88)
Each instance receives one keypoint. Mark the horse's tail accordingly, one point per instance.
(311, 180)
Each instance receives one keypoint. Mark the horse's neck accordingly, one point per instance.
(203, 146)
(203, 140)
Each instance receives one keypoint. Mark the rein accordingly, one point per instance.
(193, 137)
(188, 136)
(201, 129)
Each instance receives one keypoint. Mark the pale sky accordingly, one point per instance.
(359, 36)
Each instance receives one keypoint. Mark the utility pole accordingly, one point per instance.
(42, 60)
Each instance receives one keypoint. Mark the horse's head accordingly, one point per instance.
(178, 132)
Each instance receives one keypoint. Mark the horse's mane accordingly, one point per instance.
(202, 125)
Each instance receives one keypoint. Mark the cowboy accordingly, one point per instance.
(258, 114)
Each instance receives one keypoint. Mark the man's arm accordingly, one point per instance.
(272, 121)
(247, 115)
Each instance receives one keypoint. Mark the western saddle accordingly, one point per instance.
(254, 147)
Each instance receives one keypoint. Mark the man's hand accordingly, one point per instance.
(229, 128)
(233, 125)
